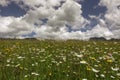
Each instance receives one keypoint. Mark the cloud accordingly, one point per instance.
(112, 16)
(60, 19)
(47, 32)
(100, 31)
(69, 13)
(13, 27)
(4, 2)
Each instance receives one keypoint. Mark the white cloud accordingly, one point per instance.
(11, 26)
(69, 13)
(100, 31)
(112, 16)
(4, 2)
(47, 32)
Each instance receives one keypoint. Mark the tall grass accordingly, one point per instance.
(59, 60)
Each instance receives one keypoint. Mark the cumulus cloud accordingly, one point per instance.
(4, 2)
(60, 19)
(112, 16)
(69, 13)
(99, 31)
(13, 27)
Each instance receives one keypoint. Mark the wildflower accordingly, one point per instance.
(88, 68)
(33, 64)
(17, 65)
(33, 73)
(110, 55)
(75, 73)
(43, 60)
(8, 65)
(20, 57)
(102, 75)
(26, 76)
(64, 59)
(67, 75)
(94, 70)
(115, 69)
(96, 75)
(118, 74)
(50, 74)
(80, 56)
(8, 60)
(96, 65)
(84, 79)
(93, 58)
(112, 77)
(8, 50)
(109, 61)
(83, 62)
(100, 58)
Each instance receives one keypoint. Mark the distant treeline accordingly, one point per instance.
(93, 38)
(103, 39)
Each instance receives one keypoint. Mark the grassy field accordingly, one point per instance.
(59, 60)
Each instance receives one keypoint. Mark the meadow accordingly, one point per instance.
(59, 60)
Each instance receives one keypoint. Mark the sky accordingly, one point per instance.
(60, 19)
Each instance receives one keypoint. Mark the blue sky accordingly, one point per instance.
(88, 7)
(49, 19)
(12, 10)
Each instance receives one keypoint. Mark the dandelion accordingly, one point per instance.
(109, 61)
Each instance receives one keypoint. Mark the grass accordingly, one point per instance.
(59, 60)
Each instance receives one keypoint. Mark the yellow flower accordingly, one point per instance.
(8, 50)
(88, 68)
(109, 61)
(93, 58)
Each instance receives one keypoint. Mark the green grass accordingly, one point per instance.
(59, 60)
